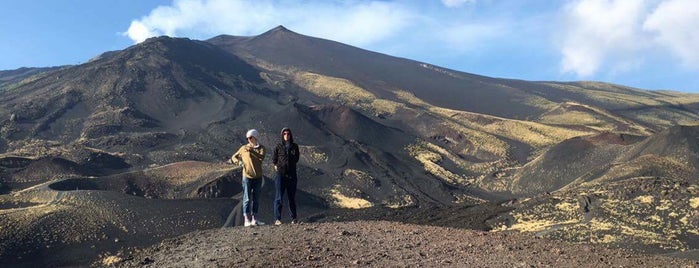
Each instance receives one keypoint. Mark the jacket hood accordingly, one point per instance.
(291, 134)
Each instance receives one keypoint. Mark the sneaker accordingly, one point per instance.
(255, 222)
(247, 223)
(294, 221)
(277, 222)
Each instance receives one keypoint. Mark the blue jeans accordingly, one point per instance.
(251, 193)
(285, 184)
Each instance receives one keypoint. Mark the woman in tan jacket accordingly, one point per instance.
(251, 155)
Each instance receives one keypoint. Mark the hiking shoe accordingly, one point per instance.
(277, 222)
(247, 224)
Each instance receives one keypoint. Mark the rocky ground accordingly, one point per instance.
(376, 244)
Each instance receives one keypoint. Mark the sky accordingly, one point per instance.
(647, 44)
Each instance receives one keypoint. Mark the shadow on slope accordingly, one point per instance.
(571, 162)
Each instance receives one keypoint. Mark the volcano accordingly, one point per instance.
(129, 148)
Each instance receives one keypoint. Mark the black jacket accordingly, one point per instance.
(286, 162)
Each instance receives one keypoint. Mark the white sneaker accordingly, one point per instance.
(277, 222)
(247, 224)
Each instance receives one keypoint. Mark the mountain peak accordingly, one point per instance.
(279, 31)
(279, 28)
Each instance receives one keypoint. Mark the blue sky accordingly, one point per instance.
(648, 44)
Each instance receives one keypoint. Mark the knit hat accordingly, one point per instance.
(252, 133)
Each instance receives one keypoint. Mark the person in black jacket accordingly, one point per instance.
(284, 158)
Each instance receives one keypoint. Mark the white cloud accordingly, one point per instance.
(139, 32)
(456, 3)
(616, 36)
(593, 37)
(676, 24)
(352, 22)
(599, 32)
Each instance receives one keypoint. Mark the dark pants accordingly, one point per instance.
(285, 184)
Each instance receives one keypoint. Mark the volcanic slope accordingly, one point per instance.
(469, 127)
(642, 194)
(375, 132)
(144, 101)
(71, 221)
(301, 57)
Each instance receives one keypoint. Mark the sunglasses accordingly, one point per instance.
(286, 133)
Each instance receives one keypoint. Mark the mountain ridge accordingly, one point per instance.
(379, 136)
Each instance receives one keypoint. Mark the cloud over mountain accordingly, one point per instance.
(616, 41)
(617, 35)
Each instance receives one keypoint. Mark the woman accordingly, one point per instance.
(251, 155)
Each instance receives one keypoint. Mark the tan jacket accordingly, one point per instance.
(252, 160)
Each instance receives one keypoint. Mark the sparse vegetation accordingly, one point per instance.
(422, 152)
(344, 201)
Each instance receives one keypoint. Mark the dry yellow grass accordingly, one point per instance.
(617, 97)
(346, 92)
(343, 201)
(694, 202)
(664, 205)
(532, 133)
(399, 201)
(334, 88)
(481, 141)
(645, 199)
(567, 207)
(536, 134)
(573, 118)
(644, 220)
(421, 152)
(311, 155)
(111, 260)
(538, 225)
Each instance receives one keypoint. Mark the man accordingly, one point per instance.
(285, 157)
(251, 155)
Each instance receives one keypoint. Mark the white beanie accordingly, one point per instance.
(252, 133)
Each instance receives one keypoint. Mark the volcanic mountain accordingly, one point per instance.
(122, 148)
